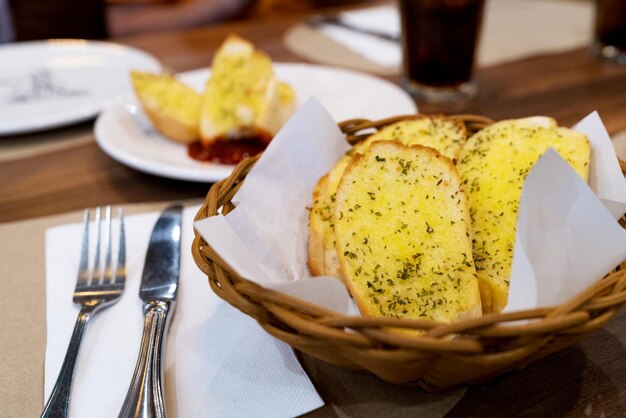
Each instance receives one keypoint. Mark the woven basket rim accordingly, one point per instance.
(493, 338)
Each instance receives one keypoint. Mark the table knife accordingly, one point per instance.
(333, 20)
(159, 283)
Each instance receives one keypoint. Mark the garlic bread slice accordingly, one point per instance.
(444, 134)
(241, 93)
(172, 107)
(403, 235)
(493, 165)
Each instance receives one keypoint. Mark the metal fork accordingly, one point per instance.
(95, 289)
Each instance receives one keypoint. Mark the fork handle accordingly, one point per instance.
(145, 396)
(58, 404)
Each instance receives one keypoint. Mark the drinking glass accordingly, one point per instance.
(610, 30)
(439, 39)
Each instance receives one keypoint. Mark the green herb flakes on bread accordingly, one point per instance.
(172, 107)
(403, 235)
(242, 94)
(443, 134)
(414, 236)
(494, 164)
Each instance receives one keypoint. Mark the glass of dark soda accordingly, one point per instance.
(439, 42)
(610, 30)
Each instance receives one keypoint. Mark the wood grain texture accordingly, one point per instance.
(588, 379)
(76, 178)
(565, 86)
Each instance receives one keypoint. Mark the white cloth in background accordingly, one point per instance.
(512, 29)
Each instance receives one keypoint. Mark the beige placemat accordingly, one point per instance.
(312, 45)
(512, 30)
(24, 146)
(23, 310)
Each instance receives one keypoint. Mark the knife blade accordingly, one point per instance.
(333, 20)
(159, 283)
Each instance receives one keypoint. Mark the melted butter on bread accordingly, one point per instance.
(242, 93)
(444, 134)
(172, 107)
(494, 164)
(286, 100)
(403, 235)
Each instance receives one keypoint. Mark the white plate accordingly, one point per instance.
(347, 94)
(47, 84)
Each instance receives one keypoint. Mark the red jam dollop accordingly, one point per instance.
(228, 150)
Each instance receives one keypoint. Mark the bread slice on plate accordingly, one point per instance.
(403, 235)
(444, 134)
(172, 107)
(493, 165)
(286, 101)
(241, 95)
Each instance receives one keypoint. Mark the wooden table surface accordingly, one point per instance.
(588, 379)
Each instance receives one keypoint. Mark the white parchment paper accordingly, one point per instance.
(567, 234)
(605, 176)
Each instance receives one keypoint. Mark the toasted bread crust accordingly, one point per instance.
(436, 131)
(172, 128)
(242, 93)
(317, 217)
(446, 134)
(172, 107)
(403, 235)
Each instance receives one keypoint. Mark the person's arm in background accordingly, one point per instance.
(6, 25)
(126, 19)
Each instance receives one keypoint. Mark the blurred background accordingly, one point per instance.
(22, 20)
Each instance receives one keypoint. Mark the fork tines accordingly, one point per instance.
(99, 274)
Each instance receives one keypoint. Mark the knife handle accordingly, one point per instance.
(145, 396)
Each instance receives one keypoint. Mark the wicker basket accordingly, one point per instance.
(445, 355)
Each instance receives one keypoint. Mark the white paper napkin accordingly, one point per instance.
(384, 19)
(512, 29)
(605, 176)
(219, 362)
